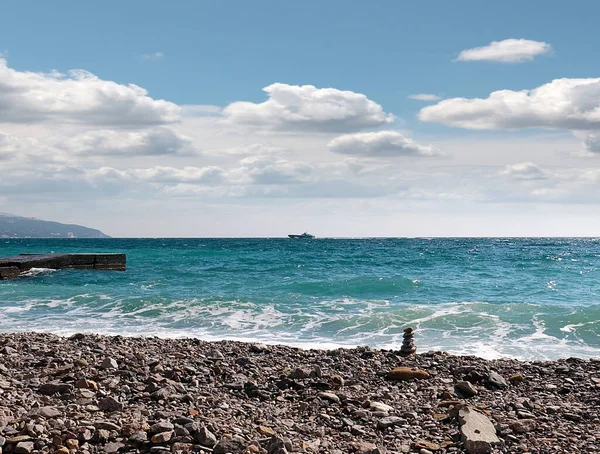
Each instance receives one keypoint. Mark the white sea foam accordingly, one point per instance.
(474, 328)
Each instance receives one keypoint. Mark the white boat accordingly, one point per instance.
(304, 236)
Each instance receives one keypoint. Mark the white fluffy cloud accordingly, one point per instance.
(525, 171)
(380, 144)
(151, 142)
(307, 108)
(560, 104)
(425, 97)
(506, 51)
(79, 98)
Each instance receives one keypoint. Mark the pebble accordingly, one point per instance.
(180, 396)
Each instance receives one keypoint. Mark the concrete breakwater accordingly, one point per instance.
(12, 267)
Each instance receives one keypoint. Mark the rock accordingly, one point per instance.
(161, 394)
(389, 421)
(266, 431)
(408, 347)
(106, 425)
(572, 417)
(478, 434)
(404, 373)
(330, 397)
(109, 363)
(48, 412)
(299, 374)
(206, 438)
(110, 404)
(364, 447)
(379, 406)
(496, 380)
(71, 443)
(61, 450)
(465, 389)
(215, 355)
(230, 445)
(24, 447)
(162, 437)
(162, 426)
(113, 447)
(139, 437)
(55, 387)
(428, 445)
(277, 445)
(17, 439)
(522, 426)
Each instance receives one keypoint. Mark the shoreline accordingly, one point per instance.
(91, 393)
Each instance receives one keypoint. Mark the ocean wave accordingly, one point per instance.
(523, 331)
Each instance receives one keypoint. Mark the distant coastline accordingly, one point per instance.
(12, 226)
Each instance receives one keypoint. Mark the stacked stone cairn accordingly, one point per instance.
(408, 346)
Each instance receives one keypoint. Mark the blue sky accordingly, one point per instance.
(219, 54)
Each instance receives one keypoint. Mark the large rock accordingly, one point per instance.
(496, 380)
(403, 373)
(227, 445)
(477, 432)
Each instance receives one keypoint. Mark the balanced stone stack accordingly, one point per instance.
(408, 345)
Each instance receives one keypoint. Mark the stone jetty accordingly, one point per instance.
(12, 267)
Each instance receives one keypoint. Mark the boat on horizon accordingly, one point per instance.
(305, 235)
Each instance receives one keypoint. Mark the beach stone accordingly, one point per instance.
(299, 374)
(110, 404)
(139, 437)
(465, 389)
(61, 450)
(24, 447)
(389, 421)
(48, 412)
(162, 426)
(215, 355)
(478, 434)
(106, 425)
(379, 406)
(404, 373)
(109, 363)
(17, 439)
(496, 380)
(162, 437)
(206, 438)
(330, 397)
(267, 431)
(522, 426)
(408, 347)
(71, 443)
(427, 445)
(113, 447)
(364, 447)
(230, 445)
(55, 387)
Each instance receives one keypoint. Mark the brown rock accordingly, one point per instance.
(424, 444)
(522, 426)
(162, 437)
(403, 373)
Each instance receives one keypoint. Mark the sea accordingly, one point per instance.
(524, 298)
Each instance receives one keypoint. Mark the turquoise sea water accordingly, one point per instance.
(525, 298)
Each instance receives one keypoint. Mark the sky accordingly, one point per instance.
(259, 119)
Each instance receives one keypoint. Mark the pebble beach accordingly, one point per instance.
(91, 394)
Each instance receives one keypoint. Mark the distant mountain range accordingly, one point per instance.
(20, 227)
